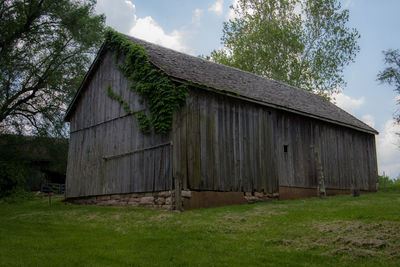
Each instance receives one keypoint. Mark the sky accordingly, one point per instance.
(195, 27)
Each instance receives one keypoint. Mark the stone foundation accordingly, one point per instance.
(163, 200)
(201, 199)
(166, 199)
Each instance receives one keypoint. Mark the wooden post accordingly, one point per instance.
(176, 177)
(320, 174)
(178, 193)
(356, 192)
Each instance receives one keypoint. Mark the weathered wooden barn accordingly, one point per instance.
(239, 138)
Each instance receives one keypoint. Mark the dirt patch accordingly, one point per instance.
(278, 242)
(249, 221)
(98, 217)
(162, 217)
(266, 211)
(90, 218)
(30, 214)
(120, 230)
(232, 217)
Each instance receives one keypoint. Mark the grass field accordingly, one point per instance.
(340, 230)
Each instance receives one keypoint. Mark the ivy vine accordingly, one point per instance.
(144, 121)
(162, 96)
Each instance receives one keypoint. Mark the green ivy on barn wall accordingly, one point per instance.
(162, 96)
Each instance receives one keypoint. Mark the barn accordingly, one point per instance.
(237, 137)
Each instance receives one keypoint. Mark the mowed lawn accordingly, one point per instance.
(337, 231)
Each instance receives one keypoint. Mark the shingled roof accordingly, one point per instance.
(183, 67)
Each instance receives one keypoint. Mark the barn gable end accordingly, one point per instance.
(231, 143)
(106, 147)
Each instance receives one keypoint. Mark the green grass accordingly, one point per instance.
(338, 231)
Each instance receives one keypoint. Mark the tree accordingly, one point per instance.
(46, 47)
(305, 43)
(391, 74)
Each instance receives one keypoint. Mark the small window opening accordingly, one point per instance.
(285, 148)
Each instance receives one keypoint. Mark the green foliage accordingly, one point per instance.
(391, 74)
(18, 196)
(45, 49)
(114, 96)
(306, 44)
(12, 178)
(144, 122)
(37, 159)
(386, 181)
(26, 149)
(162, 96)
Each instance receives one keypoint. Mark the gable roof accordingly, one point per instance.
(251, 87)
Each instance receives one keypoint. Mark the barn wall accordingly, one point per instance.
(224, 144)
(348, 157)
(100, 129)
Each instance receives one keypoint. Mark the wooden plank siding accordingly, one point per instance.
(224, 144)
(348, 156)
(100, 128)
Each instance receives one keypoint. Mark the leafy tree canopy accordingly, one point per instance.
(45, 48)
(305, 43)
(391, 74)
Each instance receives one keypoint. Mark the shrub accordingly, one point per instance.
(384, 180)
(18, 196)
(11, 178)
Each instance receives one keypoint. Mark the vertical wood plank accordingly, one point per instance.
(194, 142)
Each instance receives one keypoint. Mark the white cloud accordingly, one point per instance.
(217, 7)
(349, 3)
(298, 8)
(388, 149)
(397, 98)
(196, 16)
(231, 15)
(147, 29)
(121, 15)
(236, 5)
(347, 103)
(369, 120)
